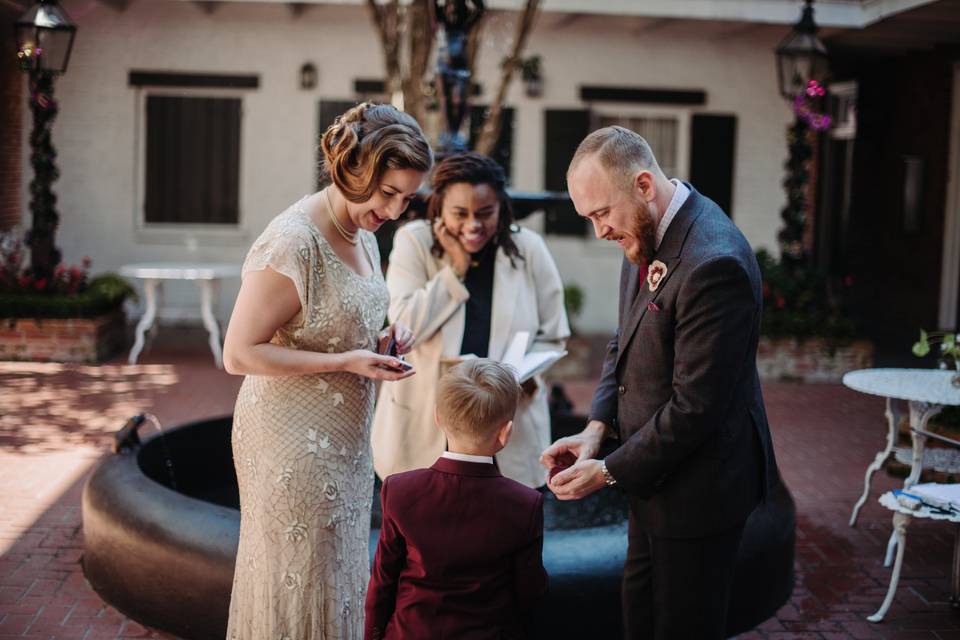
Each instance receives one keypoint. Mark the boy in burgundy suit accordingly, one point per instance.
(459, 554)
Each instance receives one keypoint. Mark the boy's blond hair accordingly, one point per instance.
(476, 397)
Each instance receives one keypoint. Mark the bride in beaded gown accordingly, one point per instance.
(306, 332)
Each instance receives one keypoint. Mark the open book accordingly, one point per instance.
(528, 364)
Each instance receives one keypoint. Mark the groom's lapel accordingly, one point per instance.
(669, 253)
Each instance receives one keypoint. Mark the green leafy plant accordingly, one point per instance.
(69, 292)
(530, 69)
(573, 300)
(949, 348)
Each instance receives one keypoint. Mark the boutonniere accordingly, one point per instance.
(655, 274)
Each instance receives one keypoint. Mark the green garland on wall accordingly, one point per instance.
(793, 254)
(44, 255)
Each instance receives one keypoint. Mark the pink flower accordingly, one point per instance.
(86, 262)
(40, 284)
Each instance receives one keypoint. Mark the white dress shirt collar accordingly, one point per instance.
(679, 197)
(466, 457)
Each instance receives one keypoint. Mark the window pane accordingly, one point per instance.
(193, 160)
(660, 134)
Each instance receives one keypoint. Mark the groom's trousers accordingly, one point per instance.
(678, 588)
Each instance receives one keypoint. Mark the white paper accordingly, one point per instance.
(513, 356)
(530, 364)
(939, 495)
(537, 362)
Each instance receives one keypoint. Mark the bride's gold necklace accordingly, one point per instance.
(346, 235)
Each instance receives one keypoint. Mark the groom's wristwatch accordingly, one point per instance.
(607, 478)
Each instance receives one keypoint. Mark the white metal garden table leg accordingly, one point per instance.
(146, 322)
(208, 292)
(893, 418)
(900, 522)
(920, 414)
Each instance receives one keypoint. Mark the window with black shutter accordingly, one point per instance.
(327, 113)
(565, 129)
(713, 140)
(192, 160)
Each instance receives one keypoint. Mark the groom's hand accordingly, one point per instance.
(578, 481)
(582, 446)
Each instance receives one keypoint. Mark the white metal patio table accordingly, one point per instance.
(927, 392)
(206, 275)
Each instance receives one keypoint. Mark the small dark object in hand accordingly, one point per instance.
(564, 461)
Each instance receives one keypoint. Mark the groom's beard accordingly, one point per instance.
(644, 232)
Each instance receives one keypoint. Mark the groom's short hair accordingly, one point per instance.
(476, 397)
(621, 152)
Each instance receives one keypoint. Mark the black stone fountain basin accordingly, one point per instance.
(160, 543)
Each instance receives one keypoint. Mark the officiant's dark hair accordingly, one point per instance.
(474, 168)
(477, 397)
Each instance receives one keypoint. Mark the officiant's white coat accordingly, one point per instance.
(427, 296)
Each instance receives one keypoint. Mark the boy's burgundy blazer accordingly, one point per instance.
(459, 555)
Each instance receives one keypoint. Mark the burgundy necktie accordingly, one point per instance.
(641, 278)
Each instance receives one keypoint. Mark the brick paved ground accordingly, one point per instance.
(56, 421)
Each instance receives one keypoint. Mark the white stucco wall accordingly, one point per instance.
(97, 136)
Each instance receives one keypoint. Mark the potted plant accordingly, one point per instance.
(532, 77)
(68, 316)
(949, 350)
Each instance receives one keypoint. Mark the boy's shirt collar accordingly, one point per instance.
(466, 457)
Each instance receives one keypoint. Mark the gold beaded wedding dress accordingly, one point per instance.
(301, 447)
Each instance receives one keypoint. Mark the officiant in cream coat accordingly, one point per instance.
(466, 281)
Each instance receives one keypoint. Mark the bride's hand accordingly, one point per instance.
(373, 365)
(453, 248)
(402, 336)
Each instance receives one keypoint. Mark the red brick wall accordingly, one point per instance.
(11, 113)
(69, 340)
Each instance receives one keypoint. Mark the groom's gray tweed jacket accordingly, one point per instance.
(680, 384)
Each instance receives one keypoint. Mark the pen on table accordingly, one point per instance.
(950, 509)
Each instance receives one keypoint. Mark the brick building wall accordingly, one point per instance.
(11, 114)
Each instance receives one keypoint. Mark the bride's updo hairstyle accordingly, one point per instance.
(367, 140)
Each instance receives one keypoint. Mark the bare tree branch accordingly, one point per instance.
(494, 120)
(387, 20)
(415, 22)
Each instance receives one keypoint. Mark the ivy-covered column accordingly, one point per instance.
(794, 255)
(44, 255)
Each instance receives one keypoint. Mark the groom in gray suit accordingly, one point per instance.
(679, 389)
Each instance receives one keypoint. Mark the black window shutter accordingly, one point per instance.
(329, 110)
(502, 150)
(565, 129)
(193, 160)
(713, 143)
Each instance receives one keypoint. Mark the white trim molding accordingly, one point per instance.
(950, 263)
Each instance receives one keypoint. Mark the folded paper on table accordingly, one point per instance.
(945, 496)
